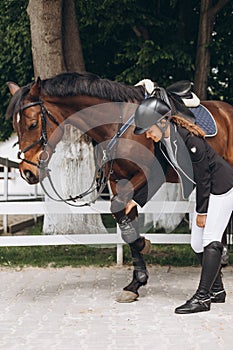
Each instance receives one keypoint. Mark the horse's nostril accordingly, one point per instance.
(27, 174)
(30, 177)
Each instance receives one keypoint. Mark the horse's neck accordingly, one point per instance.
(89, 114)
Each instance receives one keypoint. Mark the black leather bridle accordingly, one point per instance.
(43, 158)
(43, 155)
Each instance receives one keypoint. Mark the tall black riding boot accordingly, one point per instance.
(201, 300)
(217, 292)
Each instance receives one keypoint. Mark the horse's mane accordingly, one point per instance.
(72, 84)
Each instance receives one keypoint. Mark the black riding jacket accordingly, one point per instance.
(196, 164)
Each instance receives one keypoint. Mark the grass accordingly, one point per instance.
(85, 255)
(81, 255)
(56, 256)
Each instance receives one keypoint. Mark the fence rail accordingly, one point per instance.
(30, 205)
(100, 207)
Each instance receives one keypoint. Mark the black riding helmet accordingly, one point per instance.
(151, 111)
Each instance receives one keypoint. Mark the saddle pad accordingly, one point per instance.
(205, 120)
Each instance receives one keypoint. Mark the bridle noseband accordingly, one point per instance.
(43, 155)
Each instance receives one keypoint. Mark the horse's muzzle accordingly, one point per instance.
(30, 177)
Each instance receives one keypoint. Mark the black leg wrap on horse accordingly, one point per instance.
(117, 208)
(130, 234)
(140, 274)
(129, 229)
(135, 284)
(127, 223)
(139, 244)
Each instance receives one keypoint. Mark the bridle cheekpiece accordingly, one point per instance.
(43, 155)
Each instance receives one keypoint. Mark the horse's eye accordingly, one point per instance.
(33, 126)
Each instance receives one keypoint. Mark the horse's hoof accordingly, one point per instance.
(127, 296)
(147, 247)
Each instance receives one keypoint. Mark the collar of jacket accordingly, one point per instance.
(177, 145)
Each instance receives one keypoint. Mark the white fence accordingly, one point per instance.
(40, 207)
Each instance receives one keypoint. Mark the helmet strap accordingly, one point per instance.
(164, 128)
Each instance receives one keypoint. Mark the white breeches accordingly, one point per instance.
(218, 215)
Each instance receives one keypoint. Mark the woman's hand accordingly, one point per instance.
(129, 207)
(201, 220)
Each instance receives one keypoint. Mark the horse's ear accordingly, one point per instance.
(13, 87)
(35, 89)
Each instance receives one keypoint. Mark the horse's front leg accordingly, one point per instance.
(138, 245)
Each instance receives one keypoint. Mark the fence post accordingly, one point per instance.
(119, 249)
(5, 216)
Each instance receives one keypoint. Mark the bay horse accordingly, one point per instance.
(99, 108)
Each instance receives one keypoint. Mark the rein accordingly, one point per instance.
(103, 182)
(43, 141)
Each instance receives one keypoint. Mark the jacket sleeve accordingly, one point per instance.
(202, 175)
(153, 184)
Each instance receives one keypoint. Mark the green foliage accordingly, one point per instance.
(221, 76)
(15, 53)
(125, 40)
(132, 39)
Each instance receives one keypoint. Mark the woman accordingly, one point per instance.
(182, 145)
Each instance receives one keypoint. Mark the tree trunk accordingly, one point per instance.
(46, 35)
(203, 52)
(73, 54)
(56, 48)
(71, 177)
(208, 13)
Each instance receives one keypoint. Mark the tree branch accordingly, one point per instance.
(141, 32)
(214, 10)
